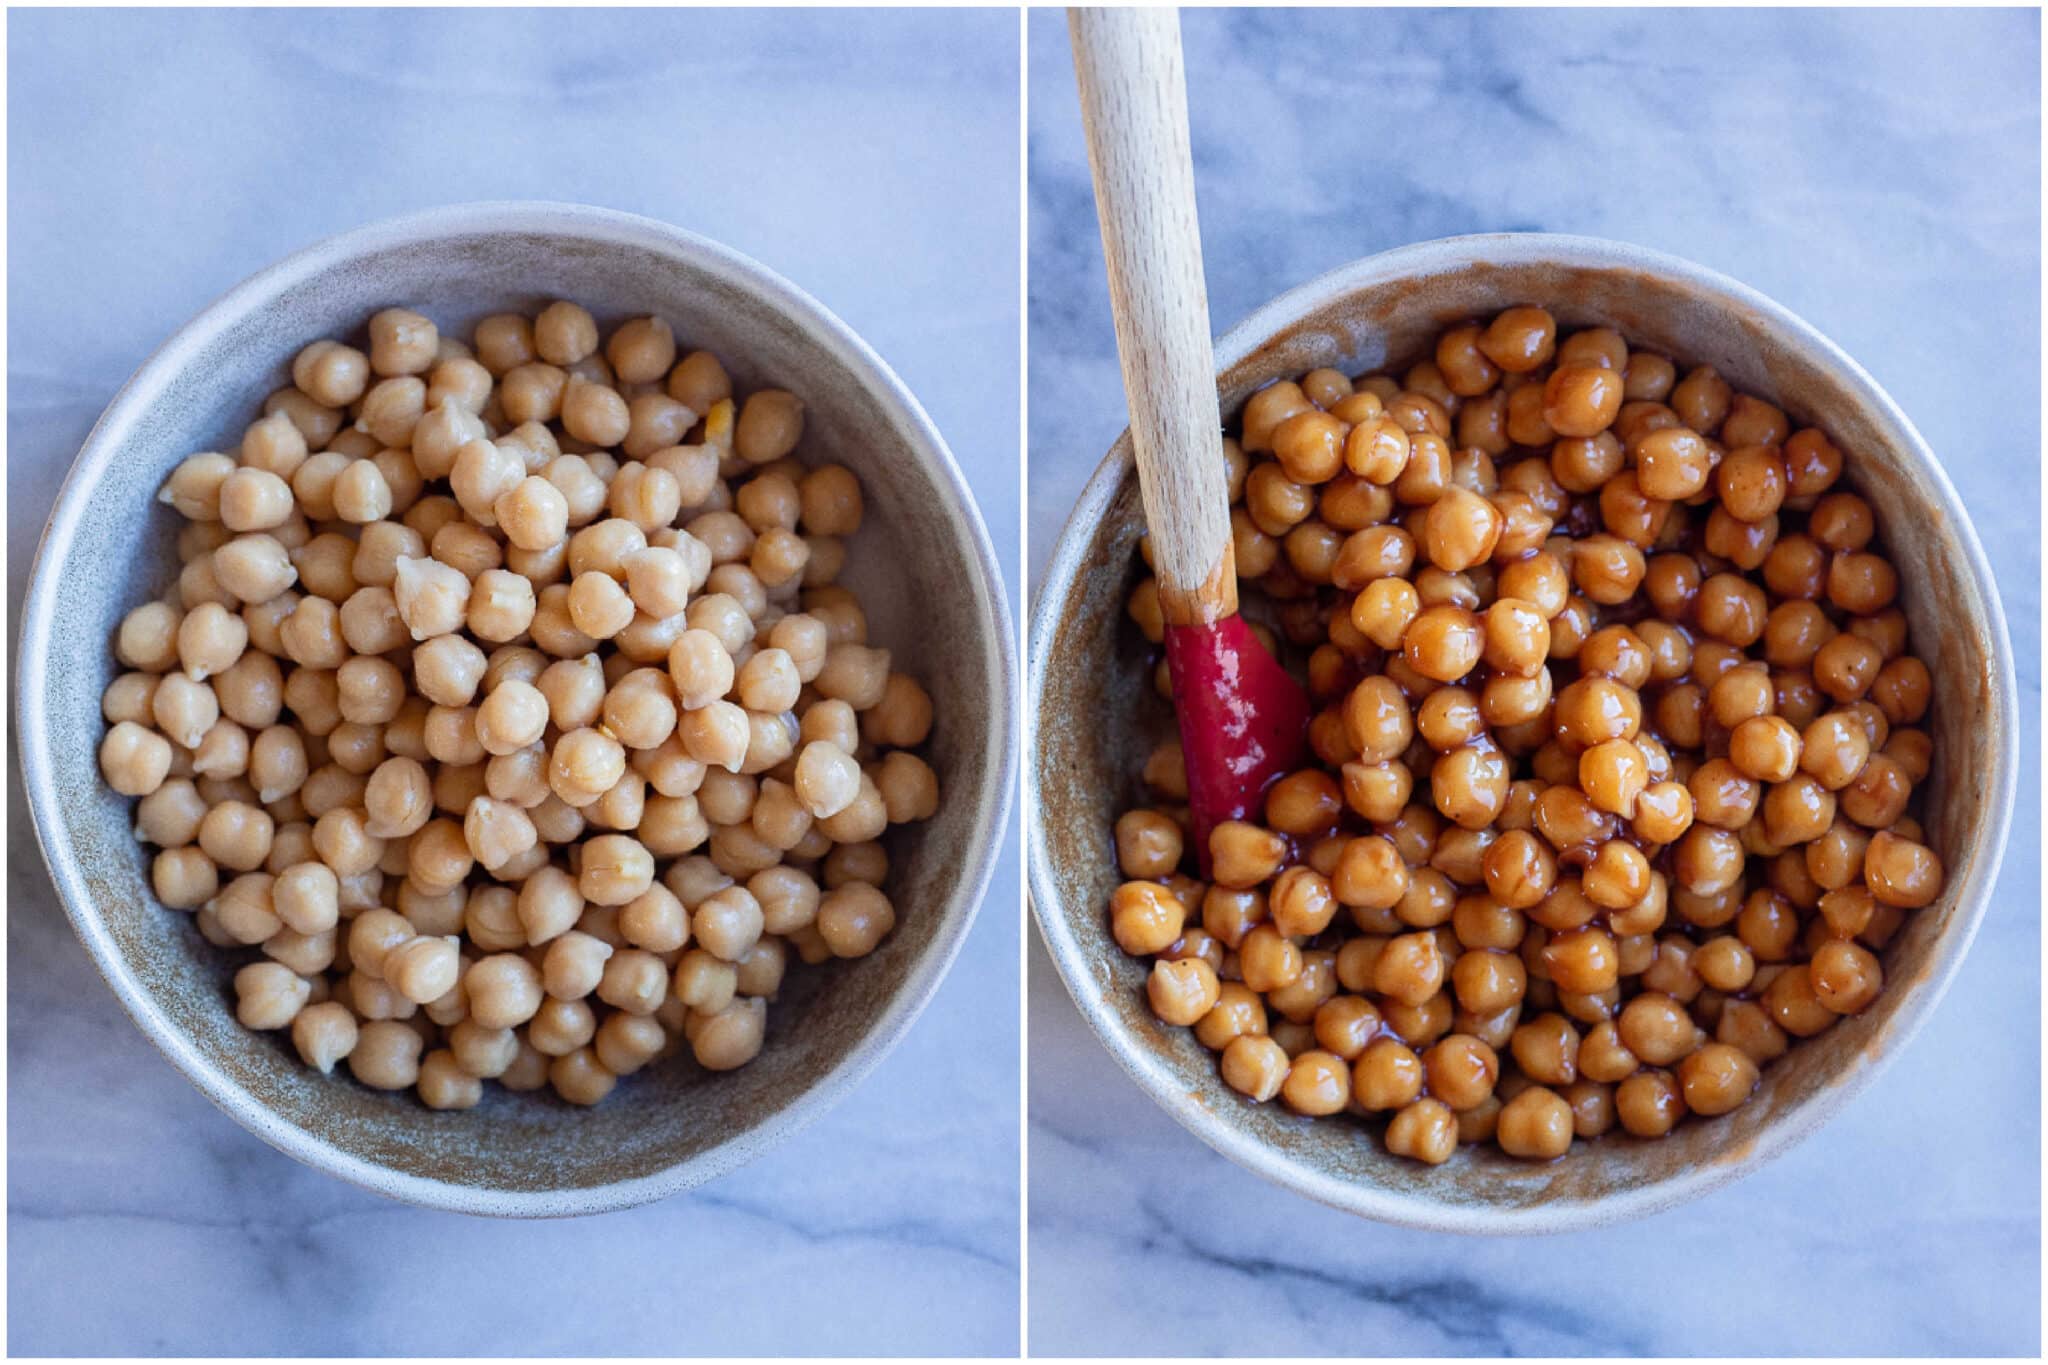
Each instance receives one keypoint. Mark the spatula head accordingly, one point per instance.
(1243, 721)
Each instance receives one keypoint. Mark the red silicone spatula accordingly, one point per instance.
(1243, 718)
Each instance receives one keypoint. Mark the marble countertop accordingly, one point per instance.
(1877, 172)
(870, 157)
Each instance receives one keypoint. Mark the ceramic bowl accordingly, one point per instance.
(922, 564)
(1089, 675)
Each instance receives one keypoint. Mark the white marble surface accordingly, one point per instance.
(1879, 173)
(159, 157)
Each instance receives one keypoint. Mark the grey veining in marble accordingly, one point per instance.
(871, 158)
(1878, 173)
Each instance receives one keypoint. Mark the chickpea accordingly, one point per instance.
(504, 990)
(1901, 872)
(269, 995)
(854, 918)
(134, 760)
(1182, 992)
(1255, 1066)
(1536, 1124)
(771, 422)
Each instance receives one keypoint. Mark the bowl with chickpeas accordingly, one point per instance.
(1662, 756)
(517, 702)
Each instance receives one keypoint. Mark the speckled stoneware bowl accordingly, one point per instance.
(1088, 676)
(922, 564)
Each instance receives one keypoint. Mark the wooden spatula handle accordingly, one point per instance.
(1134, 108)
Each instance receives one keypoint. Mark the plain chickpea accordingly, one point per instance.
(236, 835)
(640, 351)
(701, 669)
(402, 342)
(594, 413)
(444, 1084)
(560, 1027)
(717, 734)
(908, 786)
(731, 1037)
(504, 990)
(324, 1034)
(184, 877)
(133, 759)
(486, 1053)
(269, 995)
(699, 381)
(770, 424)
(564, 333)
(386, 1055)
(421, 969)
(854, 918)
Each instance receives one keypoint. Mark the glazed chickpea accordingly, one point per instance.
(1725, 964)
(1657, 1029)
(1425, 1131)
(1765, 749)
(1580, 401)
(1461, 1070)
(1846, 976)
(1901, 872)
(1716, 1079)
(1377, 450)
(1310, 446)
(1255, 1066)
(1443, 643)
(1536, 1124)
(1182, 992)
(1243, 855)
(1649, 1103)
(1461, 529)
(1317, 1083)
(1387, 1075)
(1145, 918)
(1410, 969)
(1519, 340)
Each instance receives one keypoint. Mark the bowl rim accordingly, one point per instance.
(1087, 986)
(115, 427)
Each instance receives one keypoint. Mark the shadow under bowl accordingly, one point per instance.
(1090, 679)
(922, 564)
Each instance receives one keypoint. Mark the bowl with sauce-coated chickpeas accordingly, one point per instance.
(1662, 756)
(517, 701)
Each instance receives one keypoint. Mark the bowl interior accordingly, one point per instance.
(1097, 717)
(916, 564)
